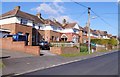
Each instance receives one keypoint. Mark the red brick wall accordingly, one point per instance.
(56, 50)
(35, 50)
(81, 37)
(64, 50)
(49, 34)
(15, 28)
(8, 44)
(70, 36)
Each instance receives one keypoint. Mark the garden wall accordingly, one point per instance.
(64, 50)
(7, 43)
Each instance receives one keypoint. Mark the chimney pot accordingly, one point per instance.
(17, 8)
(38, 15)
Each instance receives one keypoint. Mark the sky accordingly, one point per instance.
(73, 12)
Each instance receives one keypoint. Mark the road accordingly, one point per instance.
(102, 65)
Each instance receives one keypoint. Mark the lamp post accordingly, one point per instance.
(89, 29)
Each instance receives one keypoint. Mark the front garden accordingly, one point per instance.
(76, 49)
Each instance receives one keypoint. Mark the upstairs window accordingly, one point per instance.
(33, 25)
(24, 21)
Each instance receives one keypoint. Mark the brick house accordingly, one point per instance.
(20, 22)
(71, 32)
(94, 34)
(36, 28)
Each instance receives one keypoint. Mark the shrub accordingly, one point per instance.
(51, 45)
(75, 46)
(83, 49)
(63, 45)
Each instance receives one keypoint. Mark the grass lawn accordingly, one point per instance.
(75, 55)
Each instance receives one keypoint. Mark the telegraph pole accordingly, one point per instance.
(89, 29)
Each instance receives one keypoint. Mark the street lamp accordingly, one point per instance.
(89, 29)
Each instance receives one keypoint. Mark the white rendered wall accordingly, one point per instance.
(14, 20)
(9, 20)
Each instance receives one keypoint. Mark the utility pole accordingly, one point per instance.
(89, 29)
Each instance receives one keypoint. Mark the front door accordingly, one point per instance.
(27, 35)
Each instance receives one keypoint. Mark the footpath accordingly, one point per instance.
(25, 63)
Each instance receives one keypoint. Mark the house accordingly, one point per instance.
(37, 28)
(71, 32)
(19, 22)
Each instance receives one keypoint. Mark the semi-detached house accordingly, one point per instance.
(37, 28)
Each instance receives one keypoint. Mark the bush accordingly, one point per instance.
(51, 45)
(83, 49)
(63, 45)
(75, 46)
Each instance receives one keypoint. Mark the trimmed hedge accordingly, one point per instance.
(112, 42)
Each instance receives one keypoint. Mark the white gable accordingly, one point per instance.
(76, 26)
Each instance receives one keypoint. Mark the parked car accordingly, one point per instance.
(17, 37)
(44, 45)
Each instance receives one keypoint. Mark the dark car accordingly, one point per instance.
(44, 45)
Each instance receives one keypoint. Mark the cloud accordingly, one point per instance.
(50, 8)
(54, 10)
(57, 1)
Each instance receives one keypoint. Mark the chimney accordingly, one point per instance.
(54, 20)
(39, 15)
(64, 21)
(17, 8)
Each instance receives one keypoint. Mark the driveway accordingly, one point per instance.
(46, 53)
(14, 54)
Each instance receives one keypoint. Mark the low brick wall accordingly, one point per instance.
(100, 48)
(7, 43)
(35, 50)
(64, 50)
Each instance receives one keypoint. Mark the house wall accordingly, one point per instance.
(15, 28)
(9, 20)
(49, 34)
(81, 37)
(14, 20)
(67, 31)
(70, 36)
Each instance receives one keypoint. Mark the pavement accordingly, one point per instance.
(19, 64)
(102, 65)
(13, 54)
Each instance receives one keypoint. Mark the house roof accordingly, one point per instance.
(69, 25)
(54, 23)
(86, 29)
(103, 33)
(19, 13)
(95, 32)
(109, 35)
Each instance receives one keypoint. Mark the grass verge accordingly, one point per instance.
(75, 55)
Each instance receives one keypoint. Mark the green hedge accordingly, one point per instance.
(112, 42)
